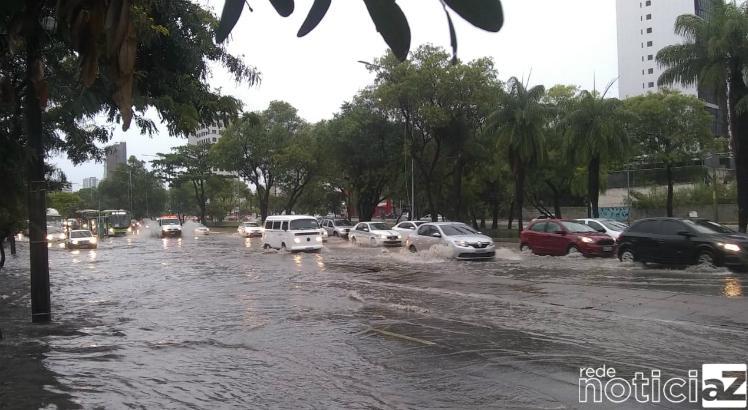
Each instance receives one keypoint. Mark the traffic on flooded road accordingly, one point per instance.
(219, 321)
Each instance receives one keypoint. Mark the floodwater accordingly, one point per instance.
(216, 322)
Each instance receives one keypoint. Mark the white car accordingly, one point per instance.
(405, 228)
(250, 230)
(202, 230)
(292, 233)
(611, 227)
(323, 232)
(81, 238)
(375, 234)
(337, 227)
(55, 234)
(452, 239)
(170, 227)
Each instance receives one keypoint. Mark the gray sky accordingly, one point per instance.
(559, 42)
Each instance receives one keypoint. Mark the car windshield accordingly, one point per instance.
(342, 222)
(419, 223)
(80, 234)
(708, 227)
(576, 227)
(298, 224)
(378, 226)
(170, 222)
(251, 224)
(614, 225)
(455, 230)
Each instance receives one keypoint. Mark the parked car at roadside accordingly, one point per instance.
(337, 227)
(682, 241)
(250, 229)
(607, 226)
(375, 234)
(455, 239)
(558, 237)
(81, 238)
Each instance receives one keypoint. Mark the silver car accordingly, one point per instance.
(453, 240)
(375, 234)
(406, 228)
(337, 227)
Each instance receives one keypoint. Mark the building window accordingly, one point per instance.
(649, 44)
(215, 139)
(649, 17)
(651, 84)
(650, 57)
(650, 71)
(648, 3)
(649, 30)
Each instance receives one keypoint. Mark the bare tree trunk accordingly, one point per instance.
(593, 185)
(669, 202)
(519, 194)
(511, 216)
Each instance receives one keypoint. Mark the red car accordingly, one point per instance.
(558, 237)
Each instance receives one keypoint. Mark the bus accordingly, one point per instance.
(118, 221)
(94, 220)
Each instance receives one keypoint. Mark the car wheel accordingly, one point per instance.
(335, 233)
(412, 249)
(705, 258)
(524, 247)
(573, 250)
(283, 247)
(265, 246)
(627, 255)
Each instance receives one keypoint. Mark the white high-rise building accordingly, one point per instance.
(644, 28)
(207, 135)
(90, 182)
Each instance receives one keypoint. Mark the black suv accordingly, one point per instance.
(678, 241)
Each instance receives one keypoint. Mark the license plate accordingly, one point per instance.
(607, 248)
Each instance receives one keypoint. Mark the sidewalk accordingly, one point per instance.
(23, 345)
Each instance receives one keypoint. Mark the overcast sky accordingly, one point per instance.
(559, 42)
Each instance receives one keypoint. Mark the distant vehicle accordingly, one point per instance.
(323, 232)
(55, 228)
(292, 233)
(456, 239)
(680, 241)
(119, 221)
(606, 226)
(201, 230)
(337, 227)
(427, 218)
(169, 226)
(558, 237)
(542, 217)
(406, 228)
(375, 234)
(81, 238)
(250, 229)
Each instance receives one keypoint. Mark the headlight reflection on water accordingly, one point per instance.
(733, 288)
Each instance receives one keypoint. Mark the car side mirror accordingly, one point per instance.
(436, 235)
(601, 230)
(687, 234)
(560, 232)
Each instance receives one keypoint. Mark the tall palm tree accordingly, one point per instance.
(715, 55)
(595, 135)
(519, 124)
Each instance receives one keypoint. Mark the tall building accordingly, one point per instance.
(90, 182)
(644, 28)
(115, 155)
(207, 135)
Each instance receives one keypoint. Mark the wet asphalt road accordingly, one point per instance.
(216, 322)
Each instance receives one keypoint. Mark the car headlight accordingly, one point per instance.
(382, 236)
(49, 237)
(587, 240)
(297, 240)
(730, 247)
(462, 244)
(129, 229)
(399, 236)
(93, 239)
(318, 239)
(75, 241)
(111, 230)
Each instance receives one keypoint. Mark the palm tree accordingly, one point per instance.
(519, 124)
(595, 134)
(714, 55)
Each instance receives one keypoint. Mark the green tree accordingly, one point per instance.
(595, 136)
(519, 125)
(299, 162)
(714, 54)
(253, 147)
(225, 195)
(188, 164)
(66, 203)
(182, 200)
(131, 186)
(669, 128)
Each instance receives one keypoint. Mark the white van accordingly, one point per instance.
(292, 232)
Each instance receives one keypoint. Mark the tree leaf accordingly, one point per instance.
(485, 14)
(316, 13)
(283, 7)
(391, 24)
(232, 9)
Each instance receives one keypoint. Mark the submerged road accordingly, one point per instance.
(216, 322)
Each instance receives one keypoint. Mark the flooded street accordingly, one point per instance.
(216, 322)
